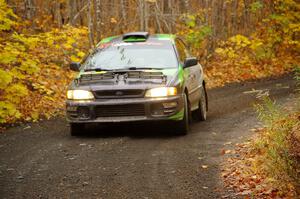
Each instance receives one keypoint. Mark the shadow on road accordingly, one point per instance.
(133, 130)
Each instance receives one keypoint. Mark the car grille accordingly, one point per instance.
(120, 110)
(119, 93)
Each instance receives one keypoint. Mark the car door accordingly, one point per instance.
(192, 75)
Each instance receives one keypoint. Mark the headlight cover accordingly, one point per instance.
(79, 95)
(161, 92)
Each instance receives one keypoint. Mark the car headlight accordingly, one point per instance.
(80, 95)
(161, 92)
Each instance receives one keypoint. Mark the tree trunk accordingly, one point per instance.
(97, 19)
(223, 19)
(142, 15)
(72, 11)
(90, 24)
(246, 19)
(234, 17)
(157, 11)
(146, 16)
(29, 9)
(206, 12)
(58, 16)
(123, 15)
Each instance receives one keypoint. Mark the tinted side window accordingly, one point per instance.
(183, 54)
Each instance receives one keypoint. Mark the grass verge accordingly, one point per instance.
(268, 166)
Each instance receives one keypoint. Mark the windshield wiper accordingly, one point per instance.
(142, 68)
(121, 69)
(97, 69)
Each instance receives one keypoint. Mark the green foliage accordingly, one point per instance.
(256, 6)
(297, 73)
(190, 21)
(268, 111)
(297, 76)
(197, 35)
(194, 30)
(284, 26)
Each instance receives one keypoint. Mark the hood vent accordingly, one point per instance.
(140, 77)
(146, 75)
(92, 78)
(136, 37)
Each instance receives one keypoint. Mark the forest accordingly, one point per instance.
(216, 19)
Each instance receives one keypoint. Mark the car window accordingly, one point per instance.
(122, 55)
(182, 51)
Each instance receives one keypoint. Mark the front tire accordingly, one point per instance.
(182, 126)
(76, 129)
(201, 113)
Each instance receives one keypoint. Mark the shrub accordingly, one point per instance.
(33, 73)
(276, 145)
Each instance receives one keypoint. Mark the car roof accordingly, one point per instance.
(138, 37)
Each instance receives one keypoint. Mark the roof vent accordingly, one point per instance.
(135, 36)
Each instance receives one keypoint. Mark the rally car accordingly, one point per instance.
(137, 77)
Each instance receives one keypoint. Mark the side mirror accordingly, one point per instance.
(191, 61)
(75, 66)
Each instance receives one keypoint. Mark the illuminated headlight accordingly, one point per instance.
(80, 95)
(161, 92)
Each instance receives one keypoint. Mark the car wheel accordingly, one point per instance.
(201, 113)
(76, 129)
(182, 126)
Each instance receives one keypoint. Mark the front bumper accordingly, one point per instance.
(125, 110)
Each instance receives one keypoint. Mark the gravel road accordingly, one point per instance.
(42, 160)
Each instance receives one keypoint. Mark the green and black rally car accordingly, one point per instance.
(137, 77)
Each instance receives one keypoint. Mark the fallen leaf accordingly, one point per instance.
(227, 151)
(222, 151)
(204, 166)
(113, 20)
(27, 127)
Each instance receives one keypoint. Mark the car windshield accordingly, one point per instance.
(132, 55)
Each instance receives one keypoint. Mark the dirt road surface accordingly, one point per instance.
(42, 160)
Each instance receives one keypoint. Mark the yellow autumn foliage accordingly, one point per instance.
(33, 68)
(272, 49)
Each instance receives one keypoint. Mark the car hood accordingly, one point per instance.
(119, 80)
